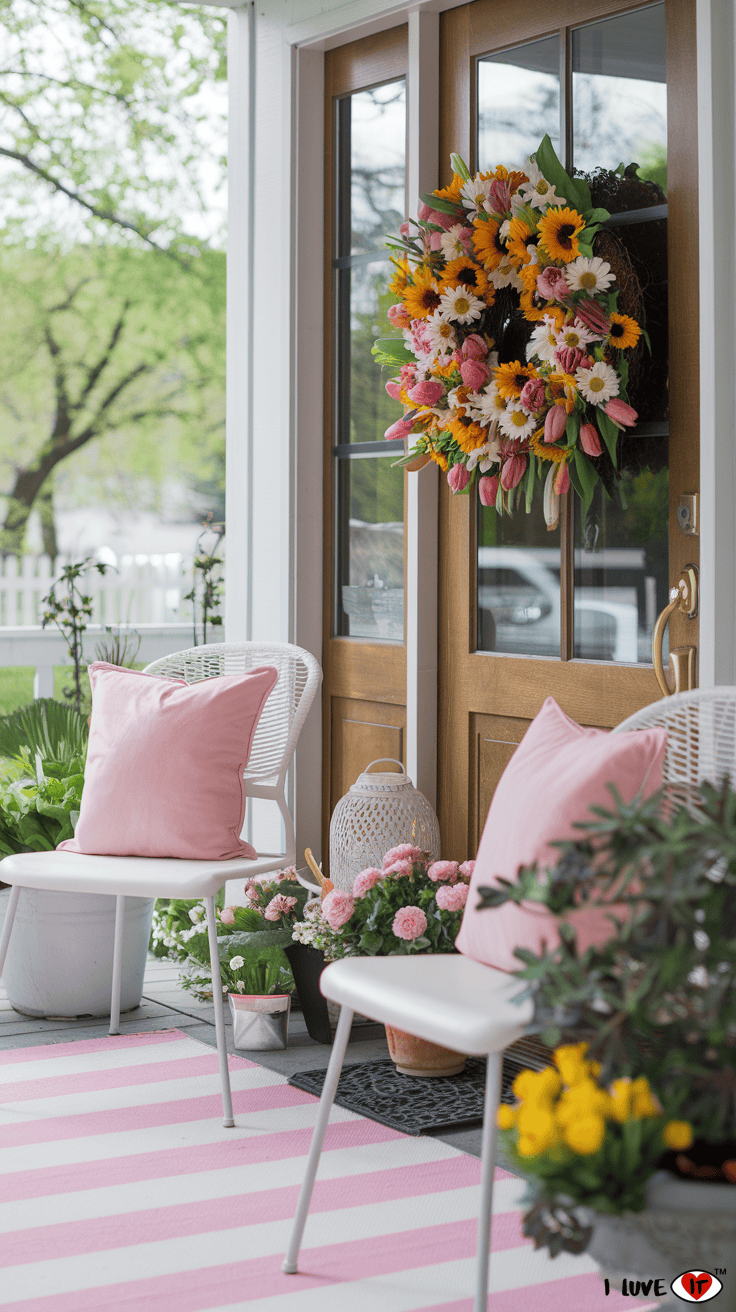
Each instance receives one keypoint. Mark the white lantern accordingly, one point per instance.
(379, 811)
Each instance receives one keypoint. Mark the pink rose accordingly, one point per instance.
(623, 415)
(473, 348)
(443, 870)
(364, 882)
(398, 316)
(452, 897)
(488, 490)
(337, 908)
(400, 429)
(279, 906)
(553, 284)
(227, 916)
(404, 852)
(512, 472)
(475, 374)
(409, 922)
(593, 316)
(394, 389)
(589, 440)
(532, 395)
(399, 868)
(499, 196)
(569, 358)
(458, 477)
(466, 870)
(555, 423)
(428, 392)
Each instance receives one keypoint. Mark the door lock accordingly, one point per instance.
(687, 514)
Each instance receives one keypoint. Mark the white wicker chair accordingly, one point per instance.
(273, 747)
(701, 738)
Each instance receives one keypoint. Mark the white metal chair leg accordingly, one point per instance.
(227, 1101)
(290, 1262)
(117, 965)
(488, 1164)
(8, 924)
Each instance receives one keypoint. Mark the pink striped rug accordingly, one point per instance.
(120, 1189)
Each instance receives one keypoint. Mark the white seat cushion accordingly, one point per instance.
(72, 872)
(451, 1000)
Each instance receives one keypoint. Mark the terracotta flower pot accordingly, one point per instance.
(412, 1056)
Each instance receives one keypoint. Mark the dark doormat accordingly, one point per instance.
(417, 1106)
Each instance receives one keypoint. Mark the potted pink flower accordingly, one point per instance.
(412, 904)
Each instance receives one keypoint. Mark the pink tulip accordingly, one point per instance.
(623, 415)
(458, 478)
(408, 375)
(512, 472)
(394, 389)
(400, 429)
(554, 424)
(553, 284)
(569, 358)
(424, 212)
(427, 392)
(593, 316)
(473, 348)
(488, 490)
(589, 440)
(499, 197)
(475, 374)
(562, 481)
(404, 229)
(532, 395)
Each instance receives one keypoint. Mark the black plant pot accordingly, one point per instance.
(307, 964)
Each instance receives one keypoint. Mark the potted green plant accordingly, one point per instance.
(653, 1186)
(412, 904)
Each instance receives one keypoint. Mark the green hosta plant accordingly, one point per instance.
(41, 811)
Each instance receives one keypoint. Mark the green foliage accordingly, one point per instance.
(39, 813)
(118, 648)
(207, 588)
(69, 610)
(659, 997)
(46, 728)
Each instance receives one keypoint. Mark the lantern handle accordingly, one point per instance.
(380, 759)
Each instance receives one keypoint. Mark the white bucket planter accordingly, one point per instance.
(685, 1226)
(260, 1021)
(59, 961)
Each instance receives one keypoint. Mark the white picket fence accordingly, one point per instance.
(141, 590)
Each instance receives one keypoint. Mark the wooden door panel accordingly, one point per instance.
(362, 732)
(493, 741)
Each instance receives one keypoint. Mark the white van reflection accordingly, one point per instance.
(519, 608)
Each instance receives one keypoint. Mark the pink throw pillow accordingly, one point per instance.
(556, 773)
(164, 773)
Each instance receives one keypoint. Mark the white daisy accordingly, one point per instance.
(505, 276)
(543, 341)
(489, 404)
(589, 275)
(542, 194)
(515, 422)
(460, 305)
(598, 384)
(575, 335)
(485, 455)
(474, 194)
(450, 244)
(441, 335)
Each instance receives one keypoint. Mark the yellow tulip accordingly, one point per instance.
(506, 1116)
(678, 1134)
(585, 1135)
(570, 1063)
(537, 1128)
(584, 1099)
(621, 1099)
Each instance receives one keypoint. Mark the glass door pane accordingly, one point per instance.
(518, 101)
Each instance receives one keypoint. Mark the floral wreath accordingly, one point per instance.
(526, 237)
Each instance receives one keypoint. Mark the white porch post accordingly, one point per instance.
(717, 191)
(422, 94)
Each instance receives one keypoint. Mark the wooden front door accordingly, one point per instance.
(524, 613)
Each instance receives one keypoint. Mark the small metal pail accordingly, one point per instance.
(260, 1022)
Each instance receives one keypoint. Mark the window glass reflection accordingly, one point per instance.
(518, 583)
(371, 549)
(377, 164)
(365, 410)
(619, 94)
(518, 101)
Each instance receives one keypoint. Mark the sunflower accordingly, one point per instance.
(547, 450)
(532, 312)
(510, 378)
(400, 279)
(451, 193)
(422, 297)
(520, 234)
(489, 246)
(624, 331)
(439, 459)
(464, 272)
(558, 232)
(468, 435)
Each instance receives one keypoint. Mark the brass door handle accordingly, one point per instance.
(683, 597)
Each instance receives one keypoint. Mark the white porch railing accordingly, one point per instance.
(143, 589)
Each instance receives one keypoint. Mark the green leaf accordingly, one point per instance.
(574, 479)
(572, 428)
(391, 350)
(609, 433)
(596, 216)
(51, 729)
(459, 166)
(587, 475)
(575, 191)
(441, 205)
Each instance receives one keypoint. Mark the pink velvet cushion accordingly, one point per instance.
(164, 773)
(556, 773)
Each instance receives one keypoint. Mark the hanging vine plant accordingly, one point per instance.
(523, 333)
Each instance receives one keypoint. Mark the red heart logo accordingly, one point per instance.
(696, 1283)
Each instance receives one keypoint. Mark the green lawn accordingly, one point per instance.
(16, 685)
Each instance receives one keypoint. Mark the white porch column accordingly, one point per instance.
(717, 190)
(422, 95)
